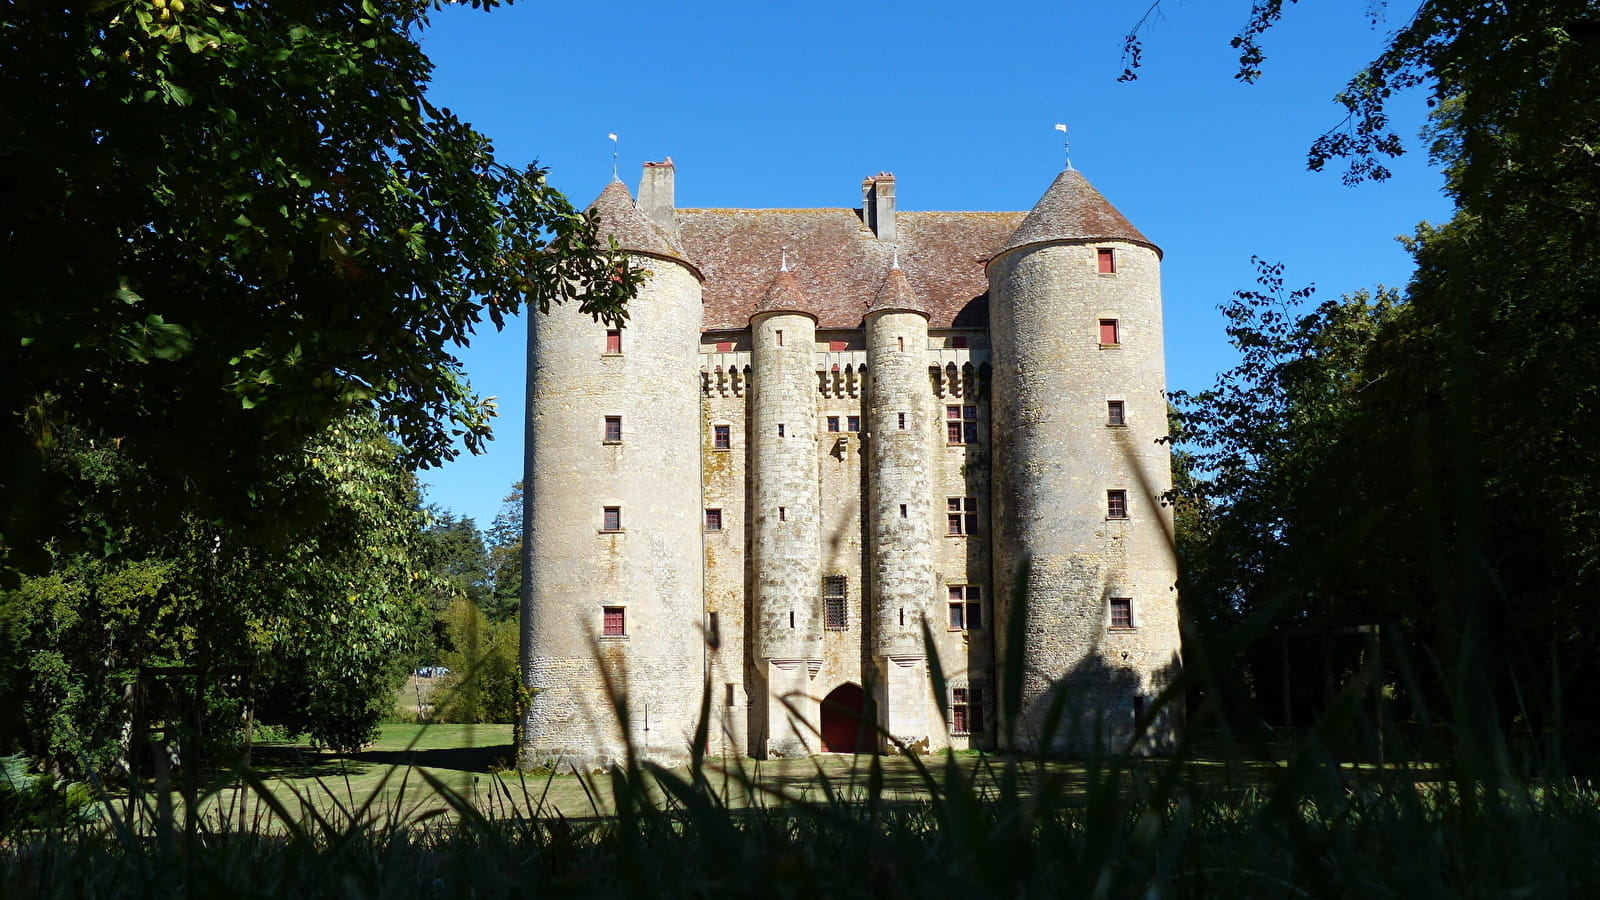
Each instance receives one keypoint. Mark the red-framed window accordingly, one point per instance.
(1106, 260)
(720, 437)
(835, 611)
(1121, 612)
(961, 515)
(966, 607)
(833, 424)
(852, 424)
(1116, 412)
(713, 520)
(613, 429)
(961, 424)
(614, 621)
(1109, 332)
(1116, 504)
(611, 519)
(902, 421)
(966, 710)
(613, 340)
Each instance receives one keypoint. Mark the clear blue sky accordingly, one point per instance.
(790, 105)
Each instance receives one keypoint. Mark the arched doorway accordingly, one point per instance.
(845, 728)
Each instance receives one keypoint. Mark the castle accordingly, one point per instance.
(826, 455)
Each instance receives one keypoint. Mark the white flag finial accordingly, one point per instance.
(1066, 145)
(783, 259)
(613, 136)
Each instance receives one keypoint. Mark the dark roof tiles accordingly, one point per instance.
(1072, 210)
(621, 218)
(783, 295)
(897, 294)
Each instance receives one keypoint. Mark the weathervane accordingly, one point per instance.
(613, 136)
(896, 263)
(783, 259)
(1066, 145)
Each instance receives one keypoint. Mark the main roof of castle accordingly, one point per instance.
(839, 269)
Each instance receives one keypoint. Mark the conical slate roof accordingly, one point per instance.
(620, 217)
(784, 295)
(897, 294)
(1072, 210)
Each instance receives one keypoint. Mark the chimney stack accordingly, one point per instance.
(656, 199)
(877, 205)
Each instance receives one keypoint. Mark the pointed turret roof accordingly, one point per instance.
(784, 295)
(621, 218)
(1072, 210)
(897, 294)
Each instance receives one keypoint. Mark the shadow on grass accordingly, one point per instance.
(300, 762)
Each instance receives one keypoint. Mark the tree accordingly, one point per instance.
(505, 559)
(227, 227)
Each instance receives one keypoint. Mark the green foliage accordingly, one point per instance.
(230, 227)
(505, 558)
(31, 801)
(484, 684)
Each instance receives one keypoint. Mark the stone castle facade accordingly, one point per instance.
(830, 454)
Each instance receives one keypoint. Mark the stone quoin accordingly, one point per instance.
(831, 442)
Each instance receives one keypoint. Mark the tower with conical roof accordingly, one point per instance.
(1082, 543)
(613, 590)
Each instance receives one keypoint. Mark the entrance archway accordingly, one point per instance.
(845, 728)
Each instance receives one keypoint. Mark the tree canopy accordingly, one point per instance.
(227, 226)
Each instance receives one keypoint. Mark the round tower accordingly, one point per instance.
(612, 593)
(1082, 543)
(785, 514)
(900, 522)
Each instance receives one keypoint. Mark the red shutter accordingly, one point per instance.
(1108, 331)
(613, 341)
(1108, 261)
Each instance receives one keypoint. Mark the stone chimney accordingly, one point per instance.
(656, 196)
(877, 205)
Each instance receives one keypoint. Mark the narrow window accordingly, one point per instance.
(1121, 612)
(1107, 260)
(612, 520)
(852, 424)
(724, 346)
(719, 437)
(959, 342)
(902, 421)
(614, 621)
(614, 340)
(783, 514)
(1108, 332)
(730, 694)
(900, 344)
(903, 511)
(966, 710)
(791, 618)
(902, 617)
(779, 333)
(613, 429)
(713, 520)
(1116, 504)
(833, 424)
(961, 515)
(835, 591)
(836, 346)
(966, 607)
(1116, 414)
(713, 630)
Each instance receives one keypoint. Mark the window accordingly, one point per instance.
(959, 342)
(852, 424)
(961, 516)
(966, 607)
(780, 429)
(902, 421)
(1121, 612)
(903, 514)
(613, 429)
(720, 437)
(614, 621)
(834, 593)
(1116, 413)
(833, 424)
(783, 516)
(1116, 504)
(724, 346)
(1108, 332)
(961, 424)
(612, 520)
(729, 686)
(900, 344)
(713, 520)
(966, 710)
(713, 631)
(779, 334)
(836, 346)
(1107, 260)
(613, 340)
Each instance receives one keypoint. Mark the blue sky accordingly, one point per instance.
(790, 105)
